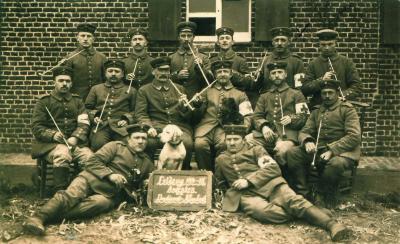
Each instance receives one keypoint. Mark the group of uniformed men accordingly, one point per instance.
(106, 115)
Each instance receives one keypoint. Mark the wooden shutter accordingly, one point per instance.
(391, 22)
(164, 15)
(269, 14)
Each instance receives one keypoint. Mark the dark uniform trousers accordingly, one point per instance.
(268, 197)
(340, 133)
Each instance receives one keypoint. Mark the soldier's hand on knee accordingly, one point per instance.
(327, 155)
(152, 132)
(240, 184)
(122, 123)
(118, 179)
(58, 137)
(268, 134)
(72, 141)
(310, 147)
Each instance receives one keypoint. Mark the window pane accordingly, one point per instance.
(196, 6)
(235, 14)
(205, 26)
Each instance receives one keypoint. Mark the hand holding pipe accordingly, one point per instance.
(185, 101)
(133, 73)
(55, 123)
(198, 64)
(101, 113)
(334, 73)
(59, 63)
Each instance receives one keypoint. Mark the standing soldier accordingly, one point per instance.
(186, 69)
(160, 103)
(279, 115)
(239, 66)
(209, 134)
(111, 106)
(110, 176)
(87, 66)
(60, 126)
(330, 65)
(330, 140)
(280, 53)
(137, 64)
(255, 186)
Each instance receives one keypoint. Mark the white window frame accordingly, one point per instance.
(238, 37)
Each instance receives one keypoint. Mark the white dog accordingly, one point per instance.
(173, 153)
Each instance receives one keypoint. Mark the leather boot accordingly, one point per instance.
(52, 209)
(319, 218)
(61, 178)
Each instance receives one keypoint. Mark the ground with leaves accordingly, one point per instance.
(374, 218)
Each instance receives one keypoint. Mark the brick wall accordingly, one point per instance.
(36, 34)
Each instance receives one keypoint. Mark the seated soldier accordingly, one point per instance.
(60, 126)
(331, 139)
(279, 115)
(255, 185)
(219, 100)
(110, 106)
(160, 103)
(111, 175)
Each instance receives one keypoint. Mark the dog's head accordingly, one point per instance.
(230, 112)
(171, 134)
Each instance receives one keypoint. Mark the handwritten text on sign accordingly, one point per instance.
(180, 190)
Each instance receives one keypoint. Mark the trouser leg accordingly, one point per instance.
(91, 206)
(298, 166)
(262, 210)
(202, 150)
(61, 159)
(100, 138)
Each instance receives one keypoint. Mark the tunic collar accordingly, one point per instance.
(282, 88)
(158, 85)
(230, 54)
(182, 51)
(91, 51)
(135, 56)
(57, 96)
(118, 85)
(284, 55)
(332, 107)
(226, 87)
(332, 58)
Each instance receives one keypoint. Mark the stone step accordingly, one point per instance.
(379, 174)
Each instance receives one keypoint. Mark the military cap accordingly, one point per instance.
(186, 26)
(115, 63)
(62, 70)
(280, 31)
(221, 64)
(157, 62)
(225, 31)
(331, 83)
(326, 34)
(276, 65)
(138, 31)
(137, 128)
(235, 130)
(86, 27)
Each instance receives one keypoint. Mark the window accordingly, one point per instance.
(210, 15)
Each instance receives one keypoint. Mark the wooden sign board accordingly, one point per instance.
(181, 190)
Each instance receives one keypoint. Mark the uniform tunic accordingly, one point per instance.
(70, 116)
(183, 59)
(120, 106)
(88, 70)
(91, 193)
(340, 133)
(143, 70)
(158, 105)
(209, 133)
(346, 73)
(268, 198)
(268, 112)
